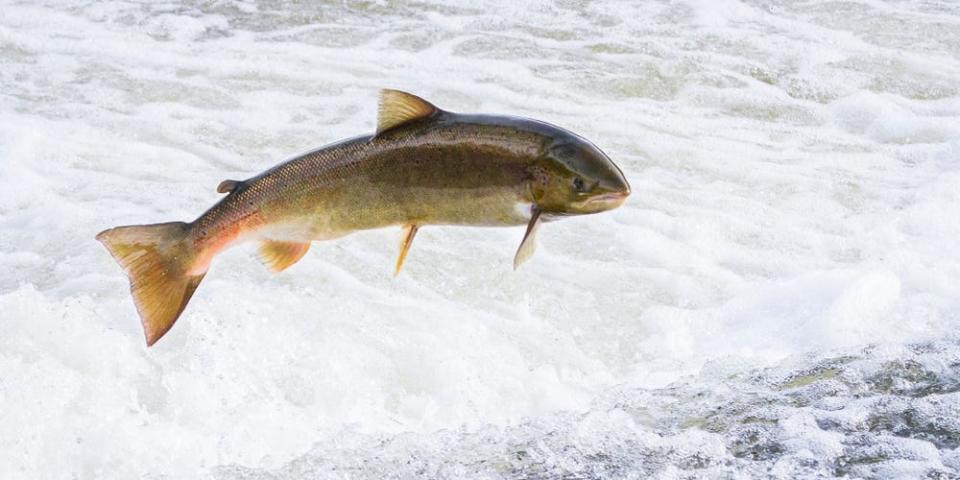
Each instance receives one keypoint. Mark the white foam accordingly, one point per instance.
(796, 179)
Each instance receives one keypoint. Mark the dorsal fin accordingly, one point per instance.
(397, 108)
(227, 186)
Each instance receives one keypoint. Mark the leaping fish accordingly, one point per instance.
(422, 166)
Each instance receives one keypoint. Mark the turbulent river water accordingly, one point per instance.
(780, 296)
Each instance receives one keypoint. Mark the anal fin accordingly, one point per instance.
(280, 255)
(409, 231)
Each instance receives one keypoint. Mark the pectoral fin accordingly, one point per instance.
(409, 231)
(529, 243)
(280, 255)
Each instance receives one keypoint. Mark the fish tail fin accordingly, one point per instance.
(157, 259)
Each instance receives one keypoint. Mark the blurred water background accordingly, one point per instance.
(779, 296)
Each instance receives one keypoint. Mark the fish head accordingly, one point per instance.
(574, 177)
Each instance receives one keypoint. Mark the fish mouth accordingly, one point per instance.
(608, 201)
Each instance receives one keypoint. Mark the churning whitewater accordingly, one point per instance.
(776, 298)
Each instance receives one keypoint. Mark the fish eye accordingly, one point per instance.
(578, 184)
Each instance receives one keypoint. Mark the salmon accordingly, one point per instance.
(422, 166)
